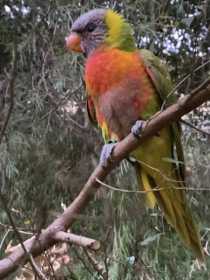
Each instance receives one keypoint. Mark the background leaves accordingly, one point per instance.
(50, 148)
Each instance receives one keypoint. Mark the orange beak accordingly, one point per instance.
(73, 42)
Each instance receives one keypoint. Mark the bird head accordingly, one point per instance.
(100, 27)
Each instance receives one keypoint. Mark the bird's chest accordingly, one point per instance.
(120, 90)
(106, 69)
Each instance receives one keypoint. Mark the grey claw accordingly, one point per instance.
(106, 154)
(137, 128)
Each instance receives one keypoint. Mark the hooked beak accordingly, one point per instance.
(73, 42)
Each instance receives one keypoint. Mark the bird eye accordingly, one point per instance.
(90, 27)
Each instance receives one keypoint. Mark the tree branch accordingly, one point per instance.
(122, 149)
(28, 255)
(79, 240)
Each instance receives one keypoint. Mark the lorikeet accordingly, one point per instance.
(125, 84)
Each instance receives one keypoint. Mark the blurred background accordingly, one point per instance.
(49, 148)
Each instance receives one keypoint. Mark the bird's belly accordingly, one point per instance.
(120, 107)
(119, 114)
(154, 154)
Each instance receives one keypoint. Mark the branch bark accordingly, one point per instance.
(123, 148)
(79, 240)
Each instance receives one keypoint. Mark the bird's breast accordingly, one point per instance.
(107, 68)
(120, 88)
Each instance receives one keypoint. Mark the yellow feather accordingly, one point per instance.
(150, 197)
(114, 21)
(120, 33)
(105, 131)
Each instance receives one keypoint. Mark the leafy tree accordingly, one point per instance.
(49, 148)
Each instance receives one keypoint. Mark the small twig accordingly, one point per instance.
(152, 190)
(122, 190)
(50, 264)
(181, 100)
(61, 101)
(182, 81)
(105, 242)
(10, 92)
(195, 127)
(34, 266)
(3, 239)
(83, 262)
(77, 240)
(97, 266)
(19, 229)
(203, 85)
(78, 125)
(161, 173)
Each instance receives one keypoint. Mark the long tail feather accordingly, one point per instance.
(172, 202)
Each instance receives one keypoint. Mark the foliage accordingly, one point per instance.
(50, 148)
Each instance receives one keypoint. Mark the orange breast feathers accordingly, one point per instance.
(120, 89)
(106, 68)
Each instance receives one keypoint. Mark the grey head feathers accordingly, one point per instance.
(95, 16)
(91, 28)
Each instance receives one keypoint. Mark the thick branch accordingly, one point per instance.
(122, 149)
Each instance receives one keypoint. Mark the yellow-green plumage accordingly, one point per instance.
(157, 169)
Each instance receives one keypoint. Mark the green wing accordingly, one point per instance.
(158, 73)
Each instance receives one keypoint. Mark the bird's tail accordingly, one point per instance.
(171, 199)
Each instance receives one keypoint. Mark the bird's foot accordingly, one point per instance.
(137, 128)
(106, 154)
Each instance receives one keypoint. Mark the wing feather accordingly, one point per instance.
(158, 73)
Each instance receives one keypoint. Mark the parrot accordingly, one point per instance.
(126, 86)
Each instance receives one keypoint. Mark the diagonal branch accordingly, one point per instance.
(47, 237)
